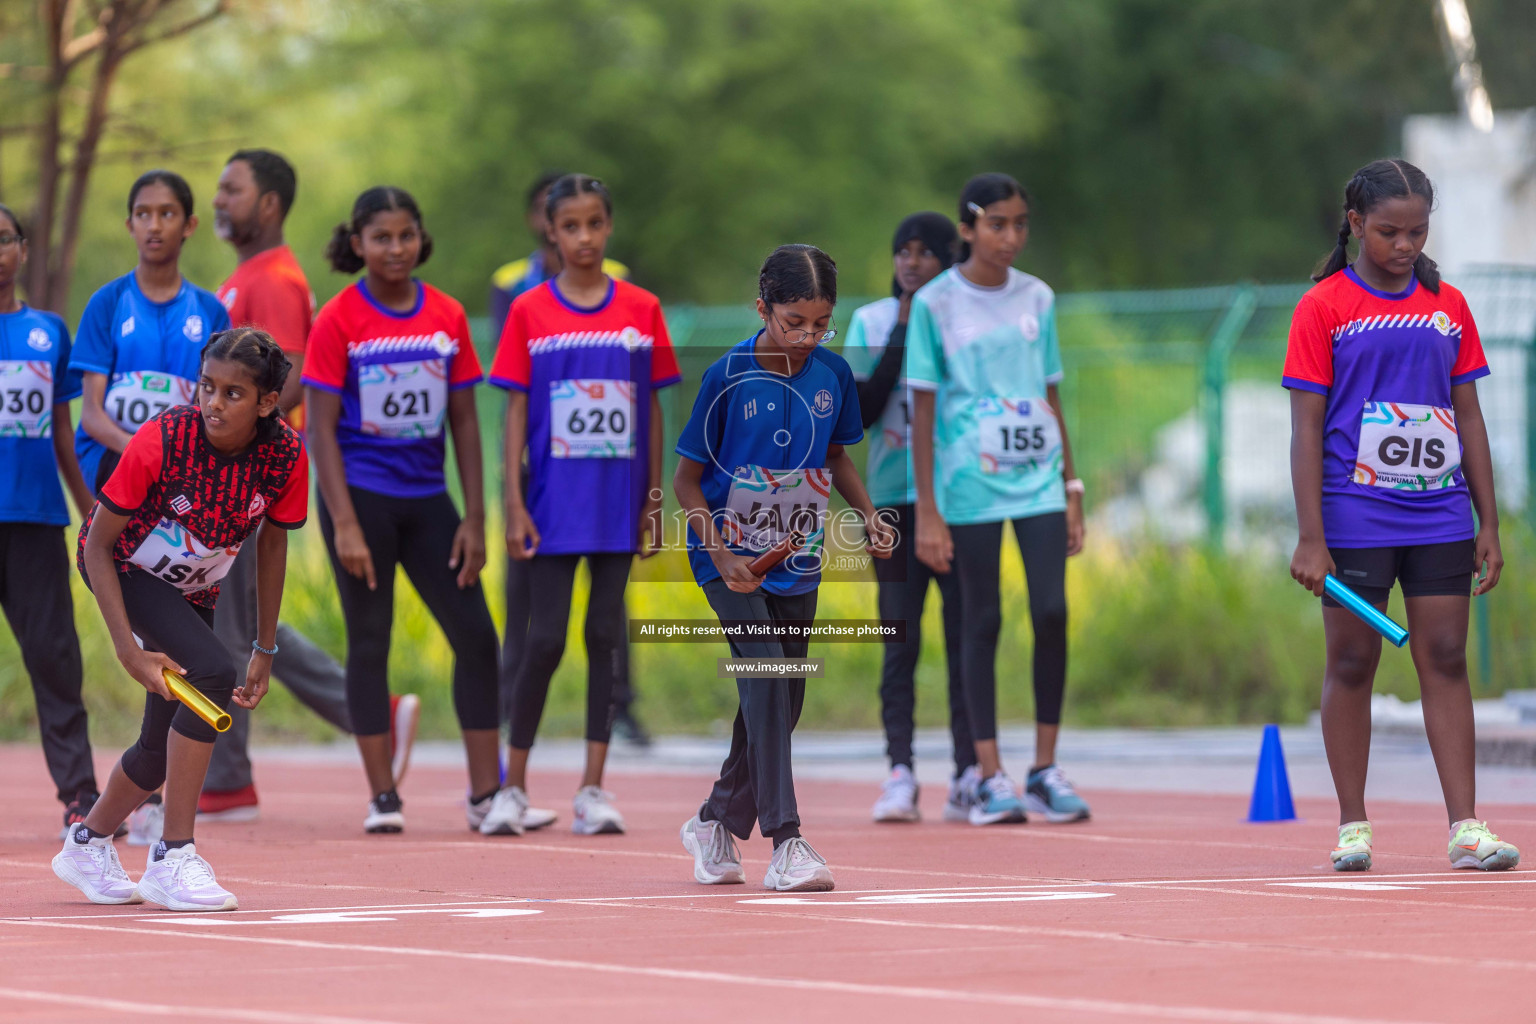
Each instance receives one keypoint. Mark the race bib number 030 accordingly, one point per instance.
(591, 419)
(186, 563)
(403, 399)
(1407, 447)
(1018, 433)
(765, 505)
(26, 398)
(136, 398)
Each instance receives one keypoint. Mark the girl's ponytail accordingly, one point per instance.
(1339, 258)
(1372, 184)
(1428, 273)
(338, 251)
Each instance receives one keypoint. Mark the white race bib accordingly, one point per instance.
(1407, 447)
(1017, 432)
(26, 398)
(591, 419)
(136, 398)
(403, 399)
(896, 421)
(765, 505)
(186, 563)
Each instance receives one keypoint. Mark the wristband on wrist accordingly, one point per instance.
(1075, 485)
(256, 646)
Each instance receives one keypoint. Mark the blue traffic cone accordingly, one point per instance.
(1272, 787)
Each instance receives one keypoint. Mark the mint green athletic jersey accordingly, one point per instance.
(989, 354)
(888, 470)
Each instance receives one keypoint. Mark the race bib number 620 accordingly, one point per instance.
(591, 419)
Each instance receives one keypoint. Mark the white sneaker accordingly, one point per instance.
(898, 797)
(146, 825)
(797, 867)
(181, 880)
(93, 868)
(716, 861)
(962, 795)
(384, 814)
(595, 812)
(500, 814)
(535, 818)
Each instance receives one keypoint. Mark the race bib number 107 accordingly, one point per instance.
(136, 398)
(1407, 447)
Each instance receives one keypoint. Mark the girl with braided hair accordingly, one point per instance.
(1389, 459)
(194, 484)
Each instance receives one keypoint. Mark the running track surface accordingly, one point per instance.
(1163, 908)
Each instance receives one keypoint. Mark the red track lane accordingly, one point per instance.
(1164, 908)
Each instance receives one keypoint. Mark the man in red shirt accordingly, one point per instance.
(268, 290)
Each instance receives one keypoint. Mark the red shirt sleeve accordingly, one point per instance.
(136, 472)
(664, 369)
(1471, 363)
(512, 367)
(280, 307)
(292, 505)
(325, 358)
(464, 369)
(1309, 353)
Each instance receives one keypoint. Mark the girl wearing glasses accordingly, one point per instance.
(763, 448)
(582, 357)
(989, 445)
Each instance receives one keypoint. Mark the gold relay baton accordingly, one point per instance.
(193, 698)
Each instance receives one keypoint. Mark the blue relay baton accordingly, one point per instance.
(1365, 611)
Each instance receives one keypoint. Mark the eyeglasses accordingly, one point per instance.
(797, 335)
(6, 241)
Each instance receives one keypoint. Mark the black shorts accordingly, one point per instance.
(1424, 570)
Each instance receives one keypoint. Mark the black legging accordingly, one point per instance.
(1043, 544)
(165, 621)
(550, 577)
(903, 592)
(417, 534)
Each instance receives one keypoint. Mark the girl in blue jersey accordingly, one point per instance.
(35, 391)
(763, 448)
(989, 446)
(139, 340)
(1389, 458)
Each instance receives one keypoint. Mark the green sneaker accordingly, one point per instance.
(1474, 846)
(1354, 850)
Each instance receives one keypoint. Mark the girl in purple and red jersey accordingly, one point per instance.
(193, 485)
(583, 356)
(1388, 444)
(389, 365)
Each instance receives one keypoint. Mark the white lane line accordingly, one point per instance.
(1146, 1011)
(103, 1005)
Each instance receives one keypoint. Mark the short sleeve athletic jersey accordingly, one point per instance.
(34, 377)
(1387, 362)
(520, 276)
(189, 507)
(762, 439)
(888, 469)
(589, 375)
(270, 291)
(149, 351)
(989, 354)
(393, 372)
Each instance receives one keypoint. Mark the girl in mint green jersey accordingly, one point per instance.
(989, 445)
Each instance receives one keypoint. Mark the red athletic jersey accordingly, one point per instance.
(269, 291)
(190, 507)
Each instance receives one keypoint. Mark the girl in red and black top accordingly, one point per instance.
(193, 485)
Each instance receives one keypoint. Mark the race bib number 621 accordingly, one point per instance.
(408, 399)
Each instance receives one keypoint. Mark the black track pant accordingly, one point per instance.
(1043, 544)
(417, 535)
(550, 578)
(903, 592)
(757, 783)
(165, 621)
(34, 593)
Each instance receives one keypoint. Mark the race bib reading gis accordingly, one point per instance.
(1407, 447)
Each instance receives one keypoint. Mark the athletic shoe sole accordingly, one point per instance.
(691, 844)
(1014, 817)
(957, 812)
(249, 812)
(603, 828)
(816, 883)
(535, 818)
(153, 895)
(384, 824)
(67, 873)
(1353, 862)
(1034, 805)
(503, 829)
(1501, 861)
(897, 817)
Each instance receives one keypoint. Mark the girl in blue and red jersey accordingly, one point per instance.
(389, 365)
(583, 357)
(194, 484)
(1388, 445)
